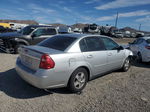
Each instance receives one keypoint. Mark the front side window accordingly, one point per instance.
(109, 44)
(50, 31)
(91, 44)
(27, 30)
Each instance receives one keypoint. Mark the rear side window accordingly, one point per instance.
(39, 32)
(50, 31)
(91, 44)
(148, 41)
(58, 42)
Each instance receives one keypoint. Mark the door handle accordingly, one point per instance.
(89, 56)
(109, 54)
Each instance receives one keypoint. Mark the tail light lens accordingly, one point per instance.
(46, 62)
(147, 47)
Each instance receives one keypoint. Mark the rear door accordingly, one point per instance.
(94, 53)
(115, 57)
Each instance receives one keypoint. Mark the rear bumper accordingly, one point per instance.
(39, 79)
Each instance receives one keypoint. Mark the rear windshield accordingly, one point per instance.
(148, 41)
(58, 42)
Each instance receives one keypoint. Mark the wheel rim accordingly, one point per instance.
(79, 80)
(127, 64)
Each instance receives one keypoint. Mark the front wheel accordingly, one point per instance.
(16, 49)
(139, 57)
(126, 65)
(78, 80)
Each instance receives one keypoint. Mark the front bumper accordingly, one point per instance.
(146, 58)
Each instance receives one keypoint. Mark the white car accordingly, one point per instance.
(141, 48)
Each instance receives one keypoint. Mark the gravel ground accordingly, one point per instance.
(114, 92)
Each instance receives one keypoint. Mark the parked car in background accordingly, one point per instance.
(64, 29)
(139, 34)
(92, 28)
(4, 30)
(141, 49)
(70, 60)
(127, 34)
(119, 34)
(17, 26)
(30, 35)
(77, 30)
(5, 25)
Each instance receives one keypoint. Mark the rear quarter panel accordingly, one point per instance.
(66, 64)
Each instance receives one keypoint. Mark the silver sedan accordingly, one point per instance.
(70, 60)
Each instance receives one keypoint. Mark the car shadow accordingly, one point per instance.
(141, 64)
(12, 85)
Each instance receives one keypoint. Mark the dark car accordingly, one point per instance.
(4, 30)
(30, 35)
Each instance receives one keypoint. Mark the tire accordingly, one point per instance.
(126, 65)
(78, 80)
(16, 51)
(139, 57)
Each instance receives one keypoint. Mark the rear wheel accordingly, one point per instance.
(126, 65)
(78, 80)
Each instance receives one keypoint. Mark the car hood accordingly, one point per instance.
(10, 35)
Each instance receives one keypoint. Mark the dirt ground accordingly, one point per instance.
(124, 40)
(115, 92)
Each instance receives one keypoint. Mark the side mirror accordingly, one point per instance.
(120, 48)
(33, 35)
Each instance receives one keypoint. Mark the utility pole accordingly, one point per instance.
(116, 22)
(140, 27)
(76, 22)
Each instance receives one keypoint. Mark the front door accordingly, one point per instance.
(114, 57)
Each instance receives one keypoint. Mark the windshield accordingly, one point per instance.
(58, 42)
(27, 30)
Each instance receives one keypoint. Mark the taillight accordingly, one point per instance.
(147, 47)
(46, 62)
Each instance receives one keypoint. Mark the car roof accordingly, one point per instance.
(80, 35)
(38, 26)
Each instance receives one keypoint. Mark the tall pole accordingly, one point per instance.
(140, 27)
(76, 22)
(116, 22)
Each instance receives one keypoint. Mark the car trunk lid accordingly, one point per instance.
(30, 56)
